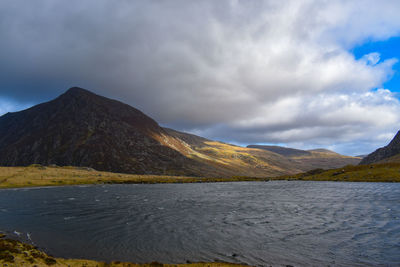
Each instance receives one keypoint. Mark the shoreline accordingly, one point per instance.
(17, 253)
(43, 176)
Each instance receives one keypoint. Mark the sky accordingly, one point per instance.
(297, 73)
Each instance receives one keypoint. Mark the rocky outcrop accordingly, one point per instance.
(384, 153)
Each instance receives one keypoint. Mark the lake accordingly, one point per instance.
(274, 223)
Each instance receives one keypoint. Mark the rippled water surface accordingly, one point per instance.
(269, 223)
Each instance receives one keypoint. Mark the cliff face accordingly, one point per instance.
(384, 153)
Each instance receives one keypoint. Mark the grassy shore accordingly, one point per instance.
(36, 175)
(15, 253)
(386, 172)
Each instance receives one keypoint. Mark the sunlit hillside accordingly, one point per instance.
(246, 161)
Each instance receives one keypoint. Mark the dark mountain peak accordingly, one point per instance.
(78, 92)
(392, 149)
(91, 108)
(396, 140)
(81, 128)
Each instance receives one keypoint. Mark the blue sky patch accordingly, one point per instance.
(387, 49)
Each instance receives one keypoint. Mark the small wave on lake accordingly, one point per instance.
(258, 223)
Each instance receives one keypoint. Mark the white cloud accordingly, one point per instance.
(247, 71)
(372, 58)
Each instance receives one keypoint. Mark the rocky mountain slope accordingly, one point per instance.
(389, 153)
(80, 128)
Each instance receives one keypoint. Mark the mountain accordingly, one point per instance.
(81, 128)
(311, 159)
(284, 151)
(323, 150)
(389, 153)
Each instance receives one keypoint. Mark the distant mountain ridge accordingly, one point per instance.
(323, 150)
(389, 153)
(311, 159)
(284, 151)
(81, 128)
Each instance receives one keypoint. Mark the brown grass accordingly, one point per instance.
(37, 175)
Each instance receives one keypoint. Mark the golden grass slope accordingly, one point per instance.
(227, 160)
(385, 172)
(16, 254)
(37, 175)
(242, 161)
(259, 162)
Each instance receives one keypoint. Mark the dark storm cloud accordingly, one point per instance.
(250, 71)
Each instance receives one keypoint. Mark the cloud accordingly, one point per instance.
(7, 105)
(371, 58)
(243, 71)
